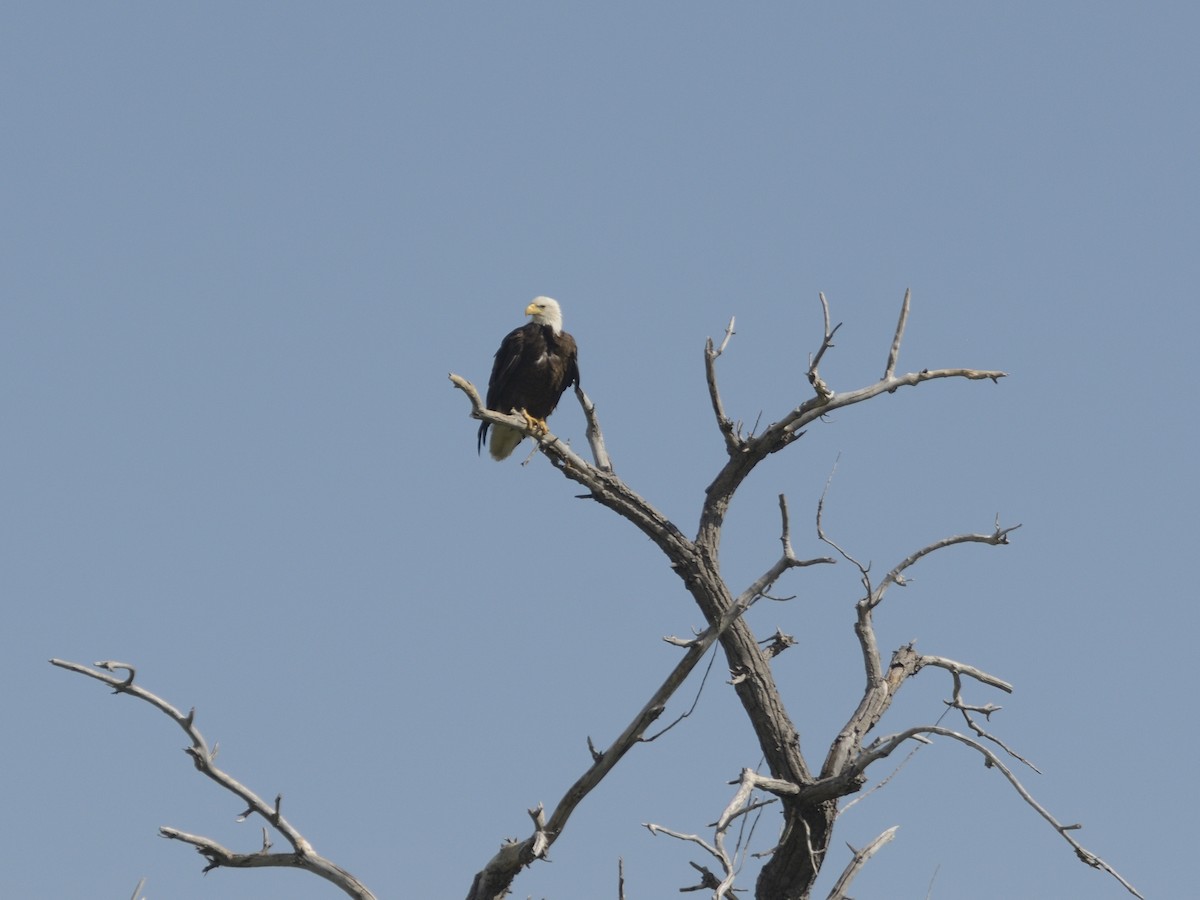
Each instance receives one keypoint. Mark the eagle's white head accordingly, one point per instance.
(545, 312)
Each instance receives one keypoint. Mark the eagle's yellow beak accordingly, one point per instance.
(532, 309)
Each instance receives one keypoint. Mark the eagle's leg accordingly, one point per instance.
(534, 424)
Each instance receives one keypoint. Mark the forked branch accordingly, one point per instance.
(814, 378)
(882, 685)
(741, 804)
(302, 855)
(788, 560)
(860, 859)
(998, 537)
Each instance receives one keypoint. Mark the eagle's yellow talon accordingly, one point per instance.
(534, 424)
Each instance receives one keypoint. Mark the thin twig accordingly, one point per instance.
(595, 436)
(883, 782)
(894, 353)
(729, 332)
(724, 424)
(741, 804)
(932, 879)
(814, 378)
(787, 561)
(959, 704)
(691, 709)
(999, 537)
(884, 746)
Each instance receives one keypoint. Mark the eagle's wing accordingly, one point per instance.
(572, 373)
(508, 357)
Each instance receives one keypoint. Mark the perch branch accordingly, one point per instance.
(605, 487)
(303, 856)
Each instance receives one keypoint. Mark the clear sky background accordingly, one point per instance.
(244, 244)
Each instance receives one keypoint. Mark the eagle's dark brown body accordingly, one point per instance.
(533, 367)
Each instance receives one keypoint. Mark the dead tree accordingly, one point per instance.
(807, 796)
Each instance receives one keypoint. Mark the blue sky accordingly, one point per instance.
(245, 244)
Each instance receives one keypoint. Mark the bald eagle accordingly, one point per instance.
(534, 365)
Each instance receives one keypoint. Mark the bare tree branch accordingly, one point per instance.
(650, 738)
(860, 860)
(493, 881)
(732, 441)
(880, 689)
(303, 856)
(932, 879)
(894, 353)
(957, 703)
(604, 487)
(594, 435)
(884, 746)
(958, 668)
(883, 782)
(999, 537)
(787, 561)
(741, 804)
(814, 378)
